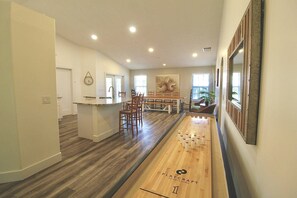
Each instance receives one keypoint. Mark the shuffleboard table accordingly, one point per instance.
(186, 163)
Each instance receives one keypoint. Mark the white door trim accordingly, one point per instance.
(71, 85)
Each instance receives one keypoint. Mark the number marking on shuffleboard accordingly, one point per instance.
(175, 189)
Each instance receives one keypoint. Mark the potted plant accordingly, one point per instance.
(208, 96)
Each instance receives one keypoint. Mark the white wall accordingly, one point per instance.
(29, 134)
(68, 55)
(82, 60)
(30, 130)
(9, 146)
(88, 64)
(185, 77)
(107, 66)
(267, 169)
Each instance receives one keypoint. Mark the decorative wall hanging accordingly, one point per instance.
(88, 79)
(167, 83)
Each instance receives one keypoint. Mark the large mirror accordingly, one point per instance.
(236, 69)
(243, 75)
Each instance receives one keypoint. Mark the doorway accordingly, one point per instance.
(64, 91)
(116, 82)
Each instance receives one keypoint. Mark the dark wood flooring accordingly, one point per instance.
(91, 169)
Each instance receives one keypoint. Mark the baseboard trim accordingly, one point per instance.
(17, 175)
(104, 135)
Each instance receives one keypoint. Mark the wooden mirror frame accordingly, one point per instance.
(249, 32)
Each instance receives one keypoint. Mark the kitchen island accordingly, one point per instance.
(98, 118)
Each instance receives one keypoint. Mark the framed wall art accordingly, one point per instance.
(167, 83)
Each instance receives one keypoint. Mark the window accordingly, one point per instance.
(140, 84)
(200, 83)
(109, 83)
(118, 84)
(236, 86)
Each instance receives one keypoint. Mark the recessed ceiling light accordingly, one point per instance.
(132, 29)
(128, 60)
(94, 37)
(241, 50)
(164, 64)
(151, 49)
(194, 55)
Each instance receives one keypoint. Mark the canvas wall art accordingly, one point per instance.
(167, 83)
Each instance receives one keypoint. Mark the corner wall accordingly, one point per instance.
(9, 146)
(267, 169)
(31, 126)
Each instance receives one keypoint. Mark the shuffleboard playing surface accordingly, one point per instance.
(178, 171)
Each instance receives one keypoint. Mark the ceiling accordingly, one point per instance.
(174, 28)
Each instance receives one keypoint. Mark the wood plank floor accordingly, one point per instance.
(91, 169)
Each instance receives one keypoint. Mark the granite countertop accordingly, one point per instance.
(97, 101)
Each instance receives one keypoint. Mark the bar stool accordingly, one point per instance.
(122, 94)
(129, 116)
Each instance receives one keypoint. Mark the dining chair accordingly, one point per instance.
(151, 93)
(151, 100)
(167, 101)
(133, 93)
(140, 109)
(159, 101)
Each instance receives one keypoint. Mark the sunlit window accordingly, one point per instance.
(236, 86)
(113, 84)
(140, 84)
(109, 83)
(200, 83)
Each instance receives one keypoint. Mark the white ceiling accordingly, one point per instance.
(174, 28)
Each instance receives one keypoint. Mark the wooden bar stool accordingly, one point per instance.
(129, 116)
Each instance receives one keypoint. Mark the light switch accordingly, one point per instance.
(46, 100)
